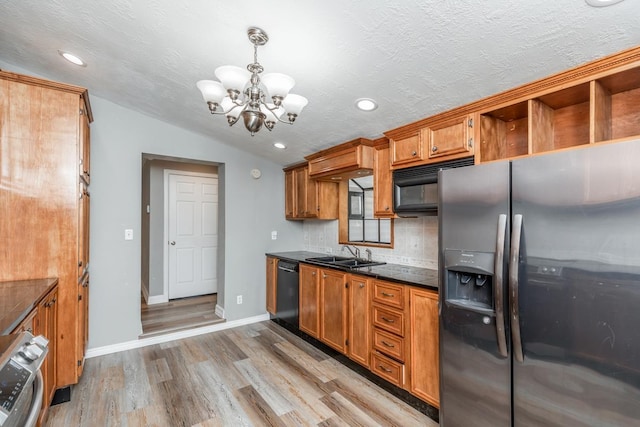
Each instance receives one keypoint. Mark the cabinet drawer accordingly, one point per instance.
(388, 369)
(388, 344)
(388, 319)
(389, 293)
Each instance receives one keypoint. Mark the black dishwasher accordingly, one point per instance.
(287, 292)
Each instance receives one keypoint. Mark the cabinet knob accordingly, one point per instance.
(324, 276)
(361, 285)
(313, 273)
(172, 243)
(387, 208)
(434, 149)
(413, 153)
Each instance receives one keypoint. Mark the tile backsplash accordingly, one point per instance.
(415, 241)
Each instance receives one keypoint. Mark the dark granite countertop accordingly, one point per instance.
(18, 298)
(415, 276)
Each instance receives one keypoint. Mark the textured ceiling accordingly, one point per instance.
(415, 57)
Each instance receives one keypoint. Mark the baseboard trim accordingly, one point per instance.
(143, 342)
(157, 299)
(219, 311)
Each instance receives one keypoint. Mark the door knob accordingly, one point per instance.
(173, 243)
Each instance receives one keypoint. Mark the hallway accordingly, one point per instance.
(178, 314)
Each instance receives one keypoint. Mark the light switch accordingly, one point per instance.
(128, 234)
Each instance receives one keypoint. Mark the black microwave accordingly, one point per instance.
(415, 190)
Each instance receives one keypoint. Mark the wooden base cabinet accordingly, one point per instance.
(272, 283)
(309, 309)
(423, 343)
(333, 309)
(388, 323)
(46, 323)
(359, 324)
(44, 147)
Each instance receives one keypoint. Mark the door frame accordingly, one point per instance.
(165, 246)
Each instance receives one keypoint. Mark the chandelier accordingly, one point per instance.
(242, 93)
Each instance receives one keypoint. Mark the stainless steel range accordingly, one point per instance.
(21, 384)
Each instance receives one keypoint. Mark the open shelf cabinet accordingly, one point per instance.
(590, 111)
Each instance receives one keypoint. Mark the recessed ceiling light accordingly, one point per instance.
(602, 3)
(366, 104)
(72, 58)
(280, 145)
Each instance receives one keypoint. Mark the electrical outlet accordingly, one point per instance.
(239, 299)
(274, 235)
(404, 259)
(128, 234)
(329, 250)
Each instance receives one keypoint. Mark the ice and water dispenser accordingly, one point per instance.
(469, 279)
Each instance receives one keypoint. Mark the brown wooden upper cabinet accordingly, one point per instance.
(406, 150)
(435, 142)
(306, 198)
(342, 162)
(449, 139)
(595, 102)
(382, 181)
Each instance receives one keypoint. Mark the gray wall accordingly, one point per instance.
(253, 208)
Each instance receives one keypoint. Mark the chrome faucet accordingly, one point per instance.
(368, 251)
(355, 251)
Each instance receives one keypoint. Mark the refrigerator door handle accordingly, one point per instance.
(514, 262)
(499, 285)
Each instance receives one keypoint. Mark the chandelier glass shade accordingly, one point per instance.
(259, 100)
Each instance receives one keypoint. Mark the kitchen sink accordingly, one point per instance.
(357, 263)
(329, 259)
(345, 262)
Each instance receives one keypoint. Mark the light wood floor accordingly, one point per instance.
(254, 375)
(178, 314)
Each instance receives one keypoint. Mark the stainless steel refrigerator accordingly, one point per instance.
(540, 290)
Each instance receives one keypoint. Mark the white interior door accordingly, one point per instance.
(193, 235)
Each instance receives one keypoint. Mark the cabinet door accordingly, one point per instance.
(289, 194)
(333, 312)
(46, 324)
(382, 184)
(83, 228)
(406, 150)
(84, 152)
(359, 320)
(83, 321)
(309, 300)
(451, 138)
(306, 194)
(311, 196)
(27, 323)
(300, 181)
(272, 281)
(425, 380)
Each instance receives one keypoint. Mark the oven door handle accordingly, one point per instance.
(36, 402)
